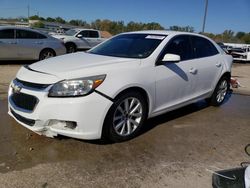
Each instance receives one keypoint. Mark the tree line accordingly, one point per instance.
(115, 27)
(230, 37)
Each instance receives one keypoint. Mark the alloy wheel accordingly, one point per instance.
(127, 116)
(222, 91)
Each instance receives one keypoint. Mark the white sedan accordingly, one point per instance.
(109, 91)
(19, 43)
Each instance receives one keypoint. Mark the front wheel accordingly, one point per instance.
(125, 117)
(70, 47)
(220, 92)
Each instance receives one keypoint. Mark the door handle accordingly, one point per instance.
(193, 70)
(218, 64)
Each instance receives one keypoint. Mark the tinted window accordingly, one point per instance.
(89, 34)
(7, 34)
(203, 47)
(181, 46)
(93, 34)
(40, 36)
(129, 45)
(84, 33)
(23, 34)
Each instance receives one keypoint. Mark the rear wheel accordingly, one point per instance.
(125, 117)
(46, 53)
(70, 47)
(220, 92)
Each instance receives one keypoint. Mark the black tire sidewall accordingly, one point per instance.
(213, 100)
(69, 45)
(108, 132)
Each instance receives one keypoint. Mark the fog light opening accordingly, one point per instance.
(70, 124)
(63, 125)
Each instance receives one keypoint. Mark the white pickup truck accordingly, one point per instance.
(80, 39)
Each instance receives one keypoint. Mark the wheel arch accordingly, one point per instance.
(70, 42)
(137, 89)
(140, 90)
(226, 74)
(47, 48)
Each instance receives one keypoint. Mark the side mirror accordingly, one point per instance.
(171, 58)
(79, 36)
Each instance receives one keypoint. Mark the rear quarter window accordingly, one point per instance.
(23, 34)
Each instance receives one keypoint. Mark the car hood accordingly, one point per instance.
(81, 64)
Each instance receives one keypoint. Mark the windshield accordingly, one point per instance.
(71, 32)
(129, 45)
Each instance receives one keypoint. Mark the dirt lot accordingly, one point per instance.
(177, 149)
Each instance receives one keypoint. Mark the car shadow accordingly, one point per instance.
(176, 69)
(171, 115)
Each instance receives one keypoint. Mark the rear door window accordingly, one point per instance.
(7, 34)
(203, 47)
(23, 34)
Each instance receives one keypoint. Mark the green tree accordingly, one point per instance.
(38, 24)
(184, 29)
(246, 38)
(240, 35)
(49, 19)
(60, 20)
(35, 17)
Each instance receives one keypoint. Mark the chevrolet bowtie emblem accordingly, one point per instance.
(16, 88)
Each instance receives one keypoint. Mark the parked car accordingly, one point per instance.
(241, 54)
(18, 43)
(109, 91)
(80, 39)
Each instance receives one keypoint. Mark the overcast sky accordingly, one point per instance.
(222, 14)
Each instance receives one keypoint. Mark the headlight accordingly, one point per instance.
(76, 87)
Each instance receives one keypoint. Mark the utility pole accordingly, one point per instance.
(205, 16)
(28, 11)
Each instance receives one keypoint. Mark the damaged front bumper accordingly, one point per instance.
(77, 117)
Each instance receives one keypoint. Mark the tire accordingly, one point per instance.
(220, 92)
(46, 53)
(70, 47)
(125, 117)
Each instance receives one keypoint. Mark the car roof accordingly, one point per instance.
(80, 29)
(16, 27)
(165, 32)
(23, 28)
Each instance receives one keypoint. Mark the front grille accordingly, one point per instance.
(24, 101)
(24, 120)
(31, 85)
